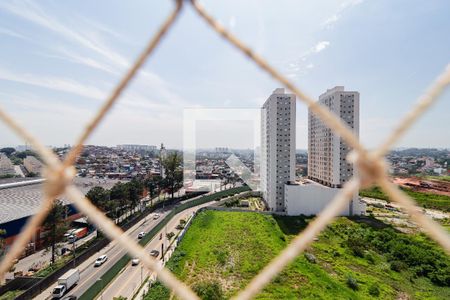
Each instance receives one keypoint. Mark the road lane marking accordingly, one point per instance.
(133, 274)
(97, 270)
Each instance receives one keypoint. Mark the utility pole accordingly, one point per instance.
(162, 252)
(73, 251)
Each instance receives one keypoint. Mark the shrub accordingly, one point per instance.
(170, 235)
(231, 203)
(398, 266)
(310, 257)
(352, 283)
(370, 258)
(356, 244)
(441, 277)
(374, 290)
(336, 253)
(222, 256)
(157, 292)
(208, 290)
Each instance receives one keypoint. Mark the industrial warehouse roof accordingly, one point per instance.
(23, 201)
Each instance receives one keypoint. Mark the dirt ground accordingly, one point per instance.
(391, 213)
(434, 186)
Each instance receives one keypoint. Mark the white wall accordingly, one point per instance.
(311, 199)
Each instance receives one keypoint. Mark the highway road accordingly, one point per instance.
(89, 274)
(130, 278)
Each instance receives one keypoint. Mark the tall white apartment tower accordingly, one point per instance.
(277, 147)
(327, 152)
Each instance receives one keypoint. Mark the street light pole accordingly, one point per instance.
(73, 251)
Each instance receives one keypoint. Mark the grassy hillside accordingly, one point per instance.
(222, 251)
(427, 200)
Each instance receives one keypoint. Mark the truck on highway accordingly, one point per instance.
(77, 234)
(65, 282)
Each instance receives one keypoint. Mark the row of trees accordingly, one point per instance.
(123, 196)
(120, 198)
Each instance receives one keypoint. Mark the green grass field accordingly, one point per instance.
(222, 251)
(441, 178)
(10, 295)
(427, 200)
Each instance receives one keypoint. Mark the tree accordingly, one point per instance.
(26, 153)
(99, 197)
(119, 193)
(152, 185)
(112, 208)
(55, 224)
(135, 190)
(8, 151)
(174, 174)
(2, 243)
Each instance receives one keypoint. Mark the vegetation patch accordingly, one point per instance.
(352, 259)
(10, 295)
(426, 200)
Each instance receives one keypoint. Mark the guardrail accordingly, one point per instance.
(98, 286)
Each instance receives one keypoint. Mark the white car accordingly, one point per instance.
(100, 261)
(155, 216)
(141, 234)
(135, 261)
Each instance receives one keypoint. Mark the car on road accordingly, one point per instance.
(135, 261)
(69, 233)
(154, 253)
(155, 216)
(141, 234)
(70, 298)
(100, 261)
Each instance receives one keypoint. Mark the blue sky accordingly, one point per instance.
(60, 59)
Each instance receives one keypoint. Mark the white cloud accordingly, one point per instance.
(331, 21)
(301, 65)
(328, 23)
(12, 33)
(74, 57)
(55, 83)
(31, 12)
(89, 49)
(232, 22)
(320, 46)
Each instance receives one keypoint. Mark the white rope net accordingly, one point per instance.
(371, 168)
